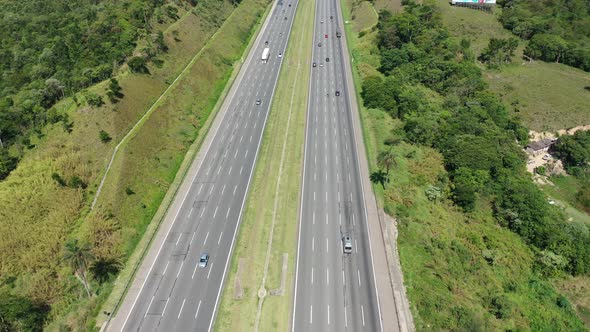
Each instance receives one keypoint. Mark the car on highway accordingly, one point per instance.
(326, 36)
(327, 59)
(258, 101)
(337, 93)
(320, 44)
(314, 64)
(321, 64)
(266, 42)
(280, 54)
(204, 260)
(322, 21)
(331, 17)
(347, 244)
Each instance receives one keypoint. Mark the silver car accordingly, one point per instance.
(204, 260)
(347, 244)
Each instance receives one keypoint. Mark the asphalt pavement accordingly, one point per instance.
(334, 291)
(175, 294)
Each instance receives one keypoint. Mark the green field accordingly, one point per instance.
(546, 96)
(273, 199)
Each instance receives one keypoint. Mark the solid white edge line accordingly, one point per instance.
(253, 163)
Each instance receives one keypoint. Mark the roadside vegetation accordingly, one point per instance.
(474, 230)
(273, 200)
(557, 31)
(47, 281)
(52, 50)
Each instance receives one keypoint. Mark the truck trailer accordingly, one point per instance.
(265, 55)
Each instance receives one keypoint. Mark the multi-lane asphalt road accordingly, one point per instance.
(334, 291)
(177, 295)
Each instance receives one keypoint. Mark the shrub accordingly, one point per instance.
(138, 64)
(58, 179)
(76, 182)
(104, 136)
(94, 100)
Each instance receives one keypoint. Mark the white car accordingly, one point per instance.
(204, 260)
(280, 55)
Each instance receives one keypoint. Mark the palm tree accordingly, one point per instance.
(379, 177)
(386, 159)
(79, 257)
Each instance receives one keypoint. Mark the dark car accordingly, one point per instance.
(326, 36)
(331, 17)
(266, 42)
(204, 260)
(314, 64)
(319, 44)
(327, 59)
(337, 93)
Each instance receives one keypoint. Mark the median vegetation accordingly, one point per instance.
(475, 231)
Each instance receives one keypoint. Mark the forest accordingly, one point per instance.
(472, 129)
(557, 30)
(53, 49)
(431, 82)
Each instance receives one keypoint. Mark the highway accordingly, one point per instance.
(177, 295)
(334, 291)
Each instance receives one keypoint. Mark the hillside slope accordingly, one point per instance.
(465, 268)
(45, 201)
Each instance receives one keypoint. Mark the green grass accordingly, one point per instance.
(474, 25)
(363, 17)
(578, 292)
(444, 252)
(251, 247)
(393, 6)
(564, 192)
(546, 96)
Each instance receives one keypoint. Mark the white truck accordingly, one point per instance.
(265, 55)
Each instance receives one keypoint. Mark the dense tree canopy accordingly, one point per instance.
(558, 30)
(574, 151)
(470, 127)
(52, 49)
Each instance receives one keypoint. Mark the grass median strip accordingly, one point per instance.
(273, 200)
